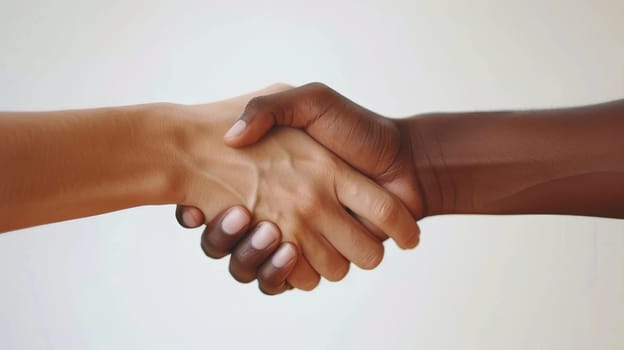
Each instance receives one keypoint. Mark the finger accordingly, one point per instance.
(189, 217)
(303, 275)
(323, 256)
(379, 234)
(351, 239)
(224, 232)
(329, 118)
(273, 273)
(372, 229)
(297, 107)
(381, 208)
(253, 250)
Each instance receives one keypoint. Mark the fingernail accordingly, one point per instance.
(263, 237)
(189, 219)
(234, 221)
(236, 129)
(284, 255)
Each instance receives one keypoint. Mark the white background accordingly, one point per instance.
(135, 280)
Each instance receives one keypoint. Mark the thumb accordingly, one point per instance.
(297, 108)
(360, 137)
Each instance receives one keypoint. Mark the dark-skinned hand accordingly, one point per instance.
(375, 145)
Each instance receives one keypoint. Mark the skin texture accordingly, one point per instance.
(379, 148)
(70, 164)
(564, 161)
(62, 165)
(311, 214)
(561, 161)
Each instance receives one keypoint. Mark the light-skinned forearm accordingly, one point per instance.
(565, 161)
(67, 164)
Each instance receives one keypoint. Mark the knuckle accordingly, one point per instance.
(413, 240)
(310, 201)
(308, 284)
(318, 87)
(280, 86)
(256, 104)
(338, 271)
(386, 209)
(332, 265)
(329, 163)
(311, 284)
(373, 257)
(322, 92)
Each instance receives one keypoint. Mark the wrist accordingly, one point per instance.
(437, 188)
(206, 173)
(159, 134)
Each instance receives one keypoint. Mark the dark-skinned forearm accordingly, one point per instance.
(563, 161)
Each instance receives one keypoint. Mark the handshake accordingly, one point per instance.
(306, 205)
(349, 178)
(307, 181)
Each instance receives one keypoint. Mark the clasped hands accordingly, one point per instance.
(297, 206)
